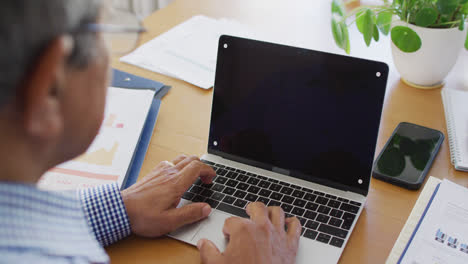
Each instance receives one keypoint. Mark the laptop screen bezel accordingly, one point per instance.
(382, 67)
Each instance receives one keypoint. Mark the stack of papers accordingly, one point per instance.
(188, 51)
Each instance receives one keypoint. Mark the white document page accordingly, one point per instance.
(188, 51)
(108, 158)
(442, 237)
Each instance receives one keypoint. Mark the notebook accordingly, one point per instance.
(456, 115)
(119, 149)
(437, 228)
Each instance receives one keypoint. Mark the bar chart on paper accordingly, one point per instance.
(452, 241)
(100, 156)
(109, 156)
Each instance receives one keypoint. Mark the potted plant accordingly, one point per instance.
(426, 35)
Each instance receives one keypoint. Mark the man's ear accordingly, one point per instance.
(40, 98)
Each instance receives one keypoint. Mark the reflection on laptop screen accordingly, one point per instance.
(311, 113)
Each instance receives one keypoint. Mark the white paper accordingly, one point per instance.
(187, 51)
(443, 234)
(108, 158)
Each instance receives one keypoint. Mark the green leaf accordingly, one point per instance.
(341, 35)
(359, 20)
(405, 39)
(425, 17)
(376, 33)
(338, 7)
(444, 19)
(337, 34)
(412, 4)
(464, 8)
(384, 20)
(447, 6)
(365, 24)
(466, 41)
(462, 2)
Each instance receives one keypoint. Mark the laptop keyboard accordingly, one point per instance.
(324, 217)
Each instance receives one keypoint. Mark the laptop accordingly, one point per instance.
(295, 128)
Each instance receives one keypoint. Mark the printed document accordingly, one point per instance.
(187, 51)
(442, 236)
(109, 156)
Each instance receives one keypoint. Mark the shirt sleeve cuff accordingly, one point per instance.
(105, 212)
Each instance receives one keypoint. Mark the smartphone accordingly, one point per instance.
(408, 155)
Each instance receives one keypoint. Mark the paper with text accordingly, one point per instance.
(188, 51)
(109, 156)
(442, 236)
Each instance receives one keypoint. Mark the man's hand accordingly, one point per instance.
(260, 240)
(151, 202)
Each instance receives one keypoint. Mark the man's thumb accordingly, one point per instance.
(209, 253)
(189, 213)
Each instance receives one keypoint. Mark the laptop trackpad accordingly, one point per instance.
(186, 233)
(212, 229)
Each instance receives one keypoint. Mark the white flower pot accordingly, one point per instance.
(428, 66)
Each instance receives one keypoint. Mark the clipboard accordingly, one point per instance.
(126, 80)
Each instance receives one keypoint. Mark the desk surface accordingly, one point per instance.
(183, 122)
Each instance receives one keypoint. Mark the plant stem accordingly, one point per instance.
(406, 10)
(455, 13)
(374, 8)
(452, 23)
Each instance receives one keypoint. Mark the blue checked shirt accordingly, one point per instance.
(39, 226)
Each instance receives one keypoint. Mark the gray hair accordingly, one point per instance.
(28, 26)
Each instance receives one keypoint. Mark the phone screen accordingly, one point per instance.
(409, 153)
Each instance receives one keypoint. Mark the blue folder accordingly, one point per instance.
(125, 80)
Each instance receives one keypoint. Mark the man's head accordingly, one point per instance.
(53, 78)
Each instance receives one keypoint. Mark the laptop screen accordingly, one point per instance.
(309, 114)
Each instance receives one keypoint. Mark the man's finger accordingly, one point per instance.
(276, 215)
(232, 224)
(258, 212)
(179, 159)
(156, 171)
(209, 253)
(294, 229)
(188, 214)
(193, 171)
(176, 202)
(181, 164)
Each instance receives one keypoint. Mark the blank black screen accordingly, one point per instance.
(314, 114)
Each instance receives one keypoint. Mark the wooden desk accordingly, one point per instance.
(183, 122)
